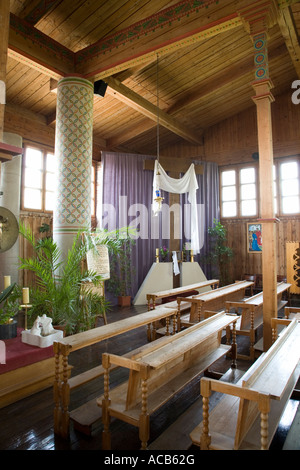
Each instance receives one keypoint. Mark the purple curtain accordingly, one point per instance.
(127, 199)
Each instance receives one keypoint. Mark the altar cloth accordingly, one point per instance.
(19, 354)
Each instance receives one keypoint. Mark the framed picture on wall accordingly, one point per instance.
(254, 238)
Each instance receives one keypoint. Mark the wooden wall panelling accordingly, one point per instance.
(286, 231)
(34, 221)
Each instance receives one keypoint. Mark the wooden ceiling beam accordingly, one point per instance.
(137, 102)
(207, 87)
(130, 133)
(30, 46)
(290, 35)
(178, 26)
(35, 10)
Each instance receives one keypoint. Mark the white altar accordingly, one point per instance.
(160, 277)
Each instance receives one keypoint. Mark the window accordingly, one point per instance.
(248, 204)
(228, 193)
(39, 181)
(239, 189)
(289, 184)
(238, 192)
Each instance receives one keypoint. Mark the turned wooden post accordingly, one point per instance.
(233, 347)
(264, 408)
(205, 439)
(57, 388)
(144, 420)
(106, 436)
(61, 390)
(65, 392)
(252, 333)
(174, 323)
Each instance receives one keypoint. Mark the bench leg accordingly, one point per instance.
(205, 439)
(106, 434)
(144, 430)
(264, 408)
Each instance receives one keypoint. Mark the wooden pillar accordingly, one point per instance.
(4, 28)
(258, 17)
(263, 100)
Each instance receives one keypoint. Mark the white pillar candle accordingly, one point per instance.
(156, 251)
(7, 281)
(25, 295)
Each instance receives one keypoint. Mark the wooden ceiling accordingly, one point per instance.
(194, 59)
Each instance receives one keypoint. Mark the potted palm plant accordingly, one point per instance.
(9, 307)
(122, 270)
(220, 254)
(61, 287)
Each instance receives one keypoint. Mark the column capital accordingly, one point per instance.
(263, 90)
(259, 16)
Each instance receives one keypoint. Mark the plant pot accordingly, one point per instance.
(124, 301)
(8, 330)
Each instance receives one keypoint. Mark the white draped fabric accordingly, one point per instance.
(187, 184)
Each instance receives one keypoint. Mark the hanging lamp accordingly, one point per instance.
(158, 196)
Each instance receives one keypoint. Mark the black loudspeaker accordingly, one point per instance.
(100, 88)
(255, 156)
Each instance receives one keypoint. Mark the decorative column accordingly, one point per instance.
(259, 17)
(73, 150)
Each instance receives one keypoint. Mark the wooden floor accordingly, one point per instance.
(28, 424)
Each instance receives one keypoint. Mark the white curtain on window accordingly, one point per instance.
(187, 184)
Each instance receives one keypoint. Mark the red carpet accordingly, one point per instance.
(20, 354)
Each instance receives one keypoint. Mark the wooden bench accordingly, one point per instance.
(154, 297)
(160, 371)
(248, 416)
(292, 312)
(63, 383)
(213, 300)
(251, 317)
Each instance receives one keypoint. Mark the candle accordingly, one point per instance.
(25, 295)
(7, 281)
(156, 251)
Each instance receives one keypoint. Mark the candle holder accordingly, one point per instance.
(26, 307)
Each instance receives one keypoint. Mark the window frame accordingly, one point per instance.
(46, 150)
(237, 169)
(279, 196)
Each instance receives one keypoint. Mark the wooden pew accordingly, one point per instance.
(248, 416)
(251, 317)
(154, 297)
(213, 300)
(160, 371)
(292, 312)
(63, 383)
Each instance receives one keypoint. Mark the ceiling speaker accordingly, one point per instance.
(100, 88)
(255, 156)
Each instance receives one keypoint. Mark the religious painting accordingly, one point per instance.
(254, 238)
